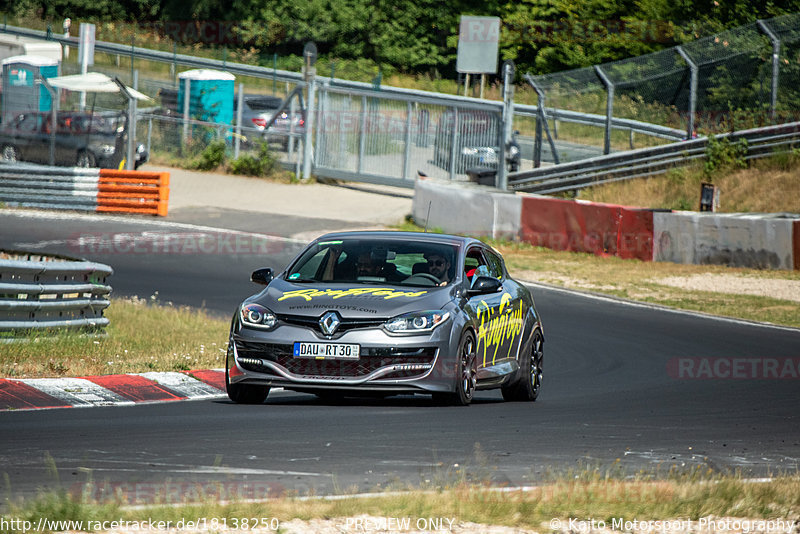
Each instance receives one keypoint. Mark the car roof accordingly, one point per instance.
(401, 236)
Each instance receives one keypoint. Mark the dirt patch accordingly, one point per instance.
(737, 285)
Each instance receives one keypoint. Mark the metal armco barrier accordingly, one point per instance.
(68, 188)
(55, 294)
(761, 143)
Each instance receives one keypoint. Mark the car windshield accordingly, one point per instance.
(372, 260)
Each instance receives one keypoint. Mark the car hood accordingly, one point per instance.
(350, 300)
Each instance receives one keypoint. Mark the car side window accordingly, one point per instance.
(495, 264)
(474, 264)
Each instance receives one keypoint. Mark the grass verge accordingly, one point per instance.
(587, 496)
(143, 335)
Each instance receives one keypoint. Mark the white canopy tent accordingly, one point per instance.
(94, 82)
(97, 82)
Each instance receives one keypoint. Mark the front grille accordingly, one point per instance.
(313, 323)
(370, 360)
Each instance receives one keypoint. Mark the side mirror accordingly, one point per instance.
(262, 276)
(485, 285)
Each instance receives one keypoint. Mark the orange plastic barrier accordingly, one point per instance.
(601, 229)
(133, 192)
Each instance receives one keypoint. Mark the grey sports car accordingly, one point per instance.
(386, 313)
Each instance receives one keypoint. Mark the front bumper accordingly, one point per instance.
(386, 363)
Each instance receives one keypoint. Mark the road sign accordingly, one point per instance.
(477, 45)
(86, 44)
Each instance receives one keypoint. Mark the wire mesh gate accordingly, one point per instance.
(388, 138)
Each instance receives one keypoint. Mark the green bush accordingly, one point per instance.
(212, 157)
(260, 164)
(722, 154)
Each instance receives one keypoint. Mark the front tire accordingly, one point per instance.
(466, 374)
(244, 393)
(526, 387)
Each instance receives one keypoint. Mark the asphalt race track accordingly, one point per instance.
(611, 396)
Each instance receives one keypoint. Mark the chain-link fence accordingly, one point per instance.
(741, 78)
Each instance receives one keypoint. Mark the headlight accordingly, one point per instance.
(469, 151)
(107, 149)
(257, 316)
(416, 322)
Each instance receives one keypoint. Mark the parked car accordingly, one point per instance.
(476, 140)
(81, 139)
(259, 110)
(385, 313)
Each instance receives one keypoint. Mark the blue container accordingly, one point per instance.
(21, 92)
(211, 95)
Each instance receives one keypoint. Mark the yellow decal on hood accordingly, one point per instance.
(498, 325)
(385, 292)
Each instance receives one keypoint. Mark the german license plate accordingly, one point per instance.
(327, 351)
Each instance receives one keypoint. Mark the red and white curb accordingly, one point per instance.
(110, 390)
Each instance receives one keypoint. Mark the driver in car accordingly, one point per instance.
(439, 266)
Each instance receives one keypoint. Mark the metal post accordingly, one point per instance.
(290, 143)
(362, 134)
(149, 134)
(507, 124)
(454, 138)
(609, 107)
(274, 73)
(131, 113)
(542, 124)
(187, 86)
(483, 83)
(310, 116)
(238, 131)
(53, 113)
(776, 52)
(694, 72)
(407, 155)
(132, 105)
(466, 84)
(133, 52)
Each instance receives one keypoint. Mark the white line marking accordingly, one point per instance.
(656, 307)
(77, 392)
(32, 214)
(184, 385)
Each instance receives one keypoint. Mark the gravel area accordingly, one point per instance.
(740, 285)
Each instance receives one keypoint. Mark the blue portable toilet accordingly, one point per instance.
(211, 95)
(21, 92)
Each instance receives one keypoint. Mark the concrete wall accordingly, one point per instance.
(763, 241)
(467, 209)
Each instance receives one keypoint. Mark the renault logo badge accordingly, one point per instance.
(329, 322)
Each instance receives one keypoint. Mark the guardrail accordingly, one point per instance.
(761, 142)
(593, 119)
(72, 188)
(51, 293)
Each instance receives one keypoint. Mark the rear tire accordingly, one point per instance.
(10, 154)
(526, 387)
(244, 393)
(85, 159)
